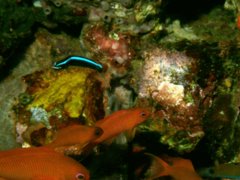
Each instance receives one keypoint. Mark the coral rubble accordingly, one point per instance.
(168, 79)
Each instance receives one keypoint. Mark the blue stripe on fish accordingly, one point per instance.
(77, 61)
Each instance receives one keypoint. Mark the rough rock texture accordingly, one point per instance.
(13, 85)
(168, 79)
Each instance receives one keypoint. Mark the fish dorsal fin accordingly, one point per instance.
(22, 151)
(44, 178)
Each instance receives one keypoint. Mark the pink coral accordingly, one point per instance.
(115, 47)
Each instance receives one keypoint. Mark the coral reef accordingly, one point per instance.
(37, 57)
(58, 97)
(53, 90)
(121, 98)
(164, 76)
(113, 48)
(181, 63)
(168, 78)
(16, 29)
(40, 55)
(222, 124)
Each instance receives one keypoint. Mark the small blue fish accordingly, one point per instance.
(77, 61)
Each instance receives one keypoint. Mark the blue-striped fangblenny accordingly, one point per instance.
(77, 61)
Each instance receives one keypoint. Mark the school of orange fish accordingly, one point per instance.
(50, 162)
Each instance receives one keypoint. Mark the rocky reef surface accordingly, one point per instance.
(179, 59)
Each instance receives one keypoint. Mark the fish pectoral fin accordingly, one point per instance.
(121, 138)
(75, 149)
(131, 134)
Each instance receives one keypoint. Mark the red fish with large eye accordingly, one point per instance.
(121, 121)
(40, 163)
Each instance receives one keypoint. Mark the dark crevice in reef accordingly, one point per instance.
(189, 10)
(14, 55)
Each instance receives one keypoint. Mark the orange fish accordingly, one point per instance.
(120, 121)
(40, 164)
(72, 139)
(178, 168)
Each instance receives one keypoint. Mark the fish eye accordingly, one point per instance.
(80, 176)
(143, 114)
(98, 131)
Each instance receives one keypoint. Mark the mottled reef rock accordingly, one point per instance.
(180, 62)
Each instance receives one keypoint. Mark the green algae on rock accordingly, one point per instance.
(222, 127)
(222, 120)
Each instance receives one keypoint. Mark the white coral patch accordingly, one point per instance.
(170, 93)
(39, 115)
(20, 129)
(37, 4)
(163, 76)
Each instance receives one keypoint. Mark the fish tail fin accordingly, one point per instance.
(158, 167)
